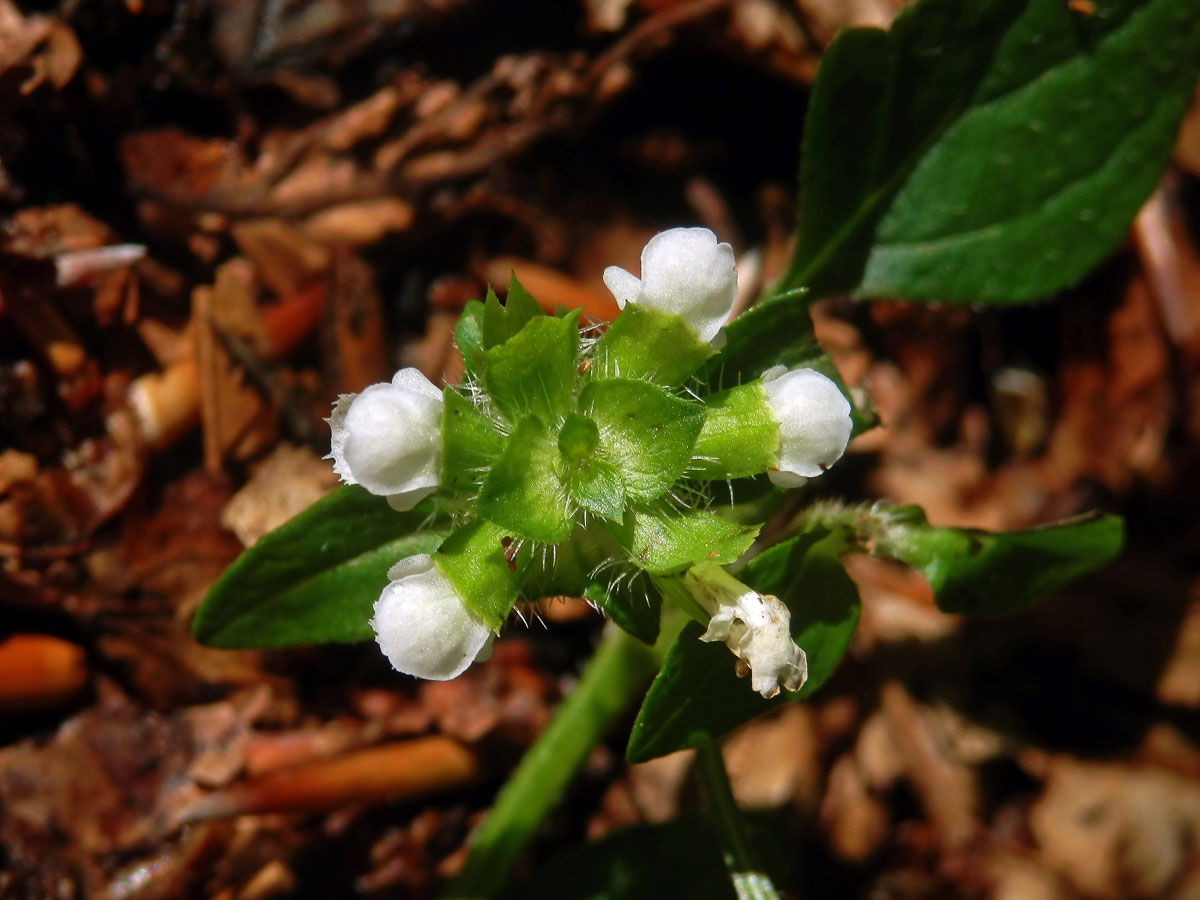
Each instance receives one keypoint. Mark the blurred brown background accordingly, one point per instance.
(216, 216)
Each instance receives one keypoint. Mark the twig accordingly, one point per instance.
(391, 771)
(38, 671)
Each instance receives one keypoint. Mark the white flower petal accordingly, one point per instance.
(786, 480)
(406, 500)
(625, 286)
(389, 437)
(422, 624)
(685, 271)
(814, 422)
(756, 628)
(412, 380)
(337, 425)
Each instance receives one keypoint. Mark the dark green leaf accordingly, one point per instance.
(663, 539)
(777, 332)
(315, 578)
(646, 433)
(524, 491)
(678, 861)
(533, 372)
(470, 443)
(502, 322)
(638, 613)
(698, 697)
(486, 566)
(991, 150)
(648, 344)
(739, 437)
(468, 335)
(996, 573)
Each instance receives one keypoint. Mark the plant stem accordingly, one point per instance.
(612, 679)
(749, 880)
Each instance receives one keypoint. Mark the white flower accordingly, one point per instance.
(814, 423)
(389, 438)
(422, 624)
(685, 272)
(755, 627)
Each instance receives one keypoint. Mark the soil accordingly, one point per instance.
(217, 216)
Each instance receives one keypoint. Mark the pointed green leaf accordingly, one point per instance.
(470, 443)
(646, 433)
(698, 697)
(987, 150)
(502, 322)
(663, 539)
(739, 437)
(315, 578)
(995, 573)
(524, 491)
(533, 372)
(486, 565)
(468, 336)
(596, 486)
(647, 344)
(519, 300)
(777, 332)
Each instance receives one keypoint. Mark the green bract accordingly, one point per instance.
(577, 460)
(560, 441)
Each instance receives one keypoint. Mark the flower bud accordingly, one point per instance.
(422, 624)
(684, 272)
(814, 423)
(755, 627)
(389, 438)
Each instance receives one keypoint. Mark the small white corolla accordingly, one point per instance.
(755, 627)
(685, 272)
(422, 624)
(389, 438)
(814, 423)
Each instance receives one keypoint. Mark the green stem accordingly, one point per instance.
(749, 880)
(616, 674)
